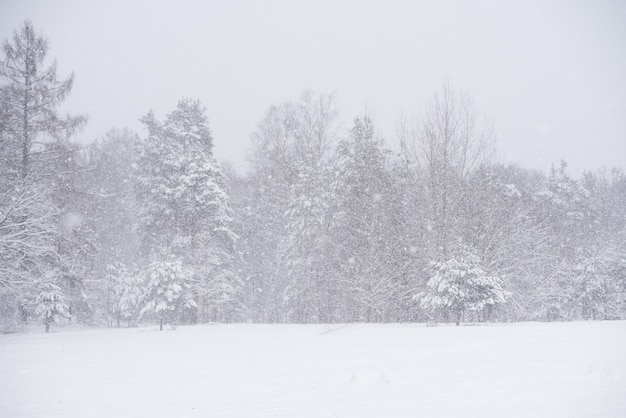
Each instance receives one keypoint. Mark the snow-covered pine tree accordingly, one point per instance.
(371, 266)
(311, 292)
(565, 207)
(127, 291)
(460, 284)
(183, 196)
(262, 199)
(168, 291)
(259, 202)
(50, 305)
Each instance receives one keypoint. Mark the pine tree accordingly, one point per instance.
(50, 304)
(371, 270)
(183, 196)
(127, 292)
(305, 250)
(460, 284)
(168, 291)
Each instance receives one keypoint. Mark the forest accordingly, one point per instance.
(328, 225)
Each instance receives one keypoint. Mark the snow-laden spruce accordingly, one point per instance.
(185, 207)
(50, 304)
(168, 291)
(368, 246)
(127, 289)
(460, 284)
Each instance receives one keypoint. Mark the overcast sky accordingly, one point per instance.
(549, 75)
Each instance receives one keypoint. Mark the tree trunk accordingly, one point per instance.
(25, 128)
(201, 313)
(161, 324)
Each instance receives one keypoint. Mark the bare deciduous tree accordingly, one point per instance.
(448, 144)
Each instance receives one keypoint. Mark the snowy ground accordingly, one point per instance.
(520, 370)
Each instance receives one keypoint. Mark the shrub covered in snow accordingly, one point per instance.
(459, 284)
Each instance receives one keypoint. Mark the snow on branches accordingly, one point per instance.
(168, 292)
(50, 304)
(459, 284)
(127, 292)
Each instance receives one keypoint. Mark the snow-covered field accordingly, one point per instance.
(392, 370)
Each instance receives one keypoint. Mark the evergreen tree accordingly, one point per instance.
(168, 291)
(259, 204)
(305, 251)
(50, 304)
(460, 284)
(183, 196)
(372, 270)
(127, 292)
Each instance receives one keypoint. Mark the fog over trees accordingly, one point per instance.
(330, 224)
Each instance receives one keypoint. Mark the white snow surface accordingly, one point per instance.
(362, 370)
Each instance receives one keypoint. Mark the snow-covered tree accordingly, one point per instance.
(28, 232)
(102, 218)
(184, 201)
(448, 145)
(593, 288)
(31, 94)
(567, 206)
(311, 292)
(407, 231)
(32, 138)
(259, 204)
(50, 305)
(168, 291)
(568, 210)
(291, 147)
(371, 269)
(513, 242)
(460, 284)
(127, 292)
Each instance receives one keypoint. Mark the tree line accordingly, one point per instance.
(326, 226)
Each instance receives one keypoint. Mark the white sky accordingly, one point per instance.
(549, 75)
